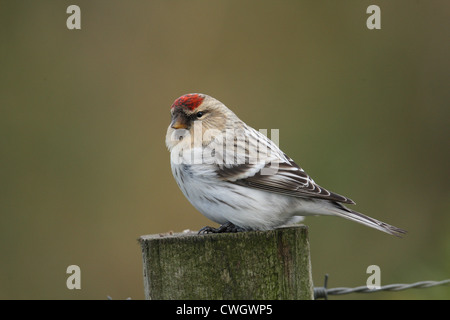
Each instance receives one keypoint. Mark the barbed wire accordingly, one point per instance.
(324, 292)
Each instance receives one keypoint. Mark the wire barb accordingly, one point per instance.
(323, 292)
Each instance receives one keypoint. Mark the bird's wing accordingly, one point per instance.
(273, 171)
(284, 178)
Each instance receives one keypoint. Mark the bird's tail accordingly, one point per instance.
(347, 213)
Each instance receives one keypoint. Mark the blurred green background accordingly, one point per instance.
(85, 171)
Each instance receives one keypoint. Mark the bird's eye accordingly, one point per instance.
(199, 114)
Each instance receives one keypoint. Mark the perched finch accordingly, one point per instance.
(239, 178)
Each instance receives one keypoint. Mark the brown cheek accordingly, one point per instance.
(214, 122)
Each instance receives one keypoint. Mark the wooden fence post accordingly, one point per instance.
(272, 264)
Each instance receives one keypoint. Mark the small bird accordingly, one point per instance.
(236, 176)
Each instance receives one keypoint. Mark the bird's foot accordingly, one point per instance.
(225, 228)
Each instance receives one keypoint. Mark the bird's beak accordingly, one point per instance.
(179, 122)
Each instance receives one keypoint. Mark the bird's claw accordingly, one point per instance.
(225, 228)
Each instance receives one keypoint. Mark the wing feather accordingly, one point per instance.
(288, 179)
(276, 172)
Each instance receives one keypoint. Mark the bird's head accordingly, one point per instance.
(195, 114)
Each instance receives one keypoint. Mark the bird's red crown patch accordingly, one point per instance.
(189, 101)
